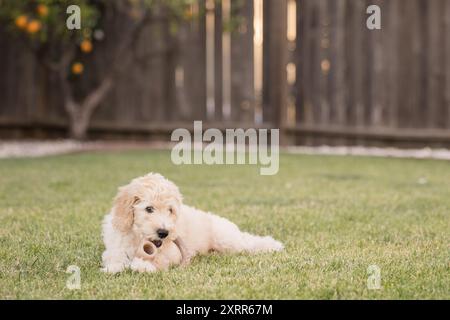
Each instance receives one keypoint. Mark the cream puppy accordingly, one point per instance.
(150, 208)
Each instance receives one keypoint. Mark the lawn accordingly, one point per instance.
(336, 215)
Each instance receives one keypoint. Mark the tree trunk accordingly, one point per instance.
(79, 122)
(80, 113)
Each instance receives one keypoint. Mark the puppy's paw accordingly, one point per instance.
(113, 268)
(140, 265)
(185, 261)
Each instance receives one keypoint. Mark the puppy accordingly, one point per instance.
(151, 208)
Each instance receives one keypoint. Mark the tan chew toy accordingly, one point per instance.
(147, 251)
(169, 253)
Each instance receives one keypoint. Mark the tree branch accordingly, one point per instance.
(94, 98)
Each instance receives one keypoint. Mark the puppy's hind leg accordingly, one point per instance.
(226, 237)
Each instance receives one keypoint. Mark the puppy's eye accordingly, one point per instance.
(170, 210)
(150, 209)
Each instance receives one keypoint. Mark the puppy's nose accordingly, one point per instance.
(162, 233)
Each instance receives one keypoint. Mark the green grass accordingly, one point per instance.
(336, 216)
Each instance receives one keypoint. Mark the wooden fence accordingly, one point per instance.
(388, 84)
(308, 67)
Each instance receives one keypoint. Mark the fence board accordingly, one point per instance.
(322, 49)
(218, 55)
(378, 89)
(277, 53)
(434, 62)
(242, 82)
(406, 97)
(304, 101)
(447, 61)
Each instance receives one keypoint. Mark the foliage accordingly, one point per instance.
(42, 23)
(49, 17)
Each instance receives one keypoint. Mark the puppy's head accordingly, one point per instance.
(148, 206)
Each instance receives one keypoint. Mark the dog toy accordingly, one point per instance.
(174, 252)
(147, 251)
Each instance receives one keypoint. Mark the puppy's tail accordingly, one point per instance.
(228, 238)
(261, 244)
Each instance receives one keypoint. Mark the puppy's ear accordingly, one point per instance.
(176, 202)
(123, 211)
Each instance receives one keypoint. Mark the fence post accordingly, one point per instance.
(275, 60)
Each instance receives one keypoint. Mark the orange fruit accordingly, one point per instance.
(42, 10)
(33, 26)
(86, 46)
(77, 68)
(21, 21)
(188, 14)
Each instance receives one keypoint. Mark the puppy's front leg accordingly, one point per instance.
(140, 265)
(114, 261)
(186, 254)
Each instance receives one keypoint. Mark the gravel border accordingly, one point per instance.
(15, 149)
(31, 149)
(425, 153)
(35, 148)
